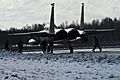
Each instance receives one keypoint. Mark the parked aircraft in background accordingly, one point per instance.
(57, 35)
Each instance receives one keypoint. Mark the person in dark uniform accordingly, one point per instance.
(44, 46)
(6, 46)
(48, 48)
(96, 44)
(20, 46)
(51, 46)
(70, 47)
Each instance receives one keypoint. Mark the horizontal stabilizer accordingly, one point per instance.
(35, 34)
(96, 31)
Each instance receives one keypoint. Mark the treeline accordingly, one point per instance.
(27, 28)
(105, 23)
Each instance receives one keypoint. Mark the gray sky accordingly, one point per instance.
(18, 13)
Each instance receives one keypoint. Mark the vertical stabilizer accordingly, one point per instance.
(52, 25)
(82, 18)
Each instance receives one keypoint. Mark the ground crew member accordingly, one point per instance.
(96, 44)
(20, 46)
(6, 46)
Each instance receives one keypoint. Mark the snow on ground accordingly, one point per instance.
(81, 65)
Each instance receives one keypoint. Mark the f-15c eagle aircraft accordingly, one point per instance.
(60, 34)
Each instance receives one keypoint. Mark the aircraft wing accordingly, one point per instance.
(44, 33)
(96, 31)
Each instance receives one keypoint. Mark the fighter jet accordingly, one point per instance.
(57, 35)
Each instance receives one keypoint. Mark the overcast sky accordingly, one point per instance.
(18, 13)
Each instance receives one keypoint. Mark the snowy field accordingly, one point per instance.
(83, 64)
